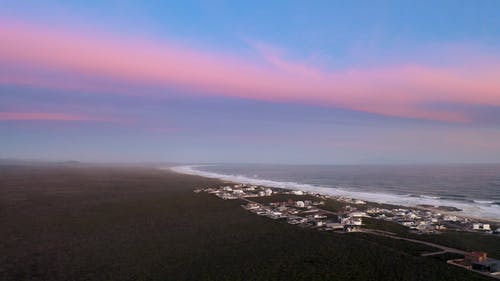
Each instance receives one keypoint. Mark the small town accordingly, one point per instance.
(309, 210)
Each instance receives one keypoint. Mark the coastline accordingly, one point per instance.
(466, 210)
(122, 223)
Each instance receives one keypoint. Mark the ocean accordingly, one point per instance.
(473, 188)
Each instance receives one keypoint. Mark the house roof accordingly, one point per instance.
(488, 262)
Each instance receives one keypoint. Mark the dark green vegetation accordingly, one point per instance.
(334, 205)
(447, 256)
(389, 226)
(405, 246)
(370, 205)
(468, 241)
(97, 223)
(284, 198)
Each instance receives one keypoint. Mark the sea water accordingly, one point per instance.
(473, 188)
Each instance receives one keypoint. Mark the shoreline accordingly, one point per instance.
(372, 197)
(91, 223)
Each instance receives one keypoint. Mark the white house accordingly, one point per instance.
(358, 214)
(450, 218)
(481, 226)
(356, 221)
(300, 204)
(408, 223)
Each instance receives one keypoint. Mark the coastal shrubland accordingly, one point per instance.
(124, 223)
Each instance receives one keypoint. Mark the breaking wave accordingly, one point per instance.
(480, 209)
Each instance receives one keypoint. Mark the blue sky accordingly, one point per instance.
(293, 82)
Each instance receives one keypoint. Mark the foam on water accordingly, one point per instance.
(477, 209)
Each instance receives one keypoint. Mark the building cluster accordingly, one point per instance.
(425, 221)
(311, 214)
(238, 191)
(304, 213)
(350, 200)
(307, 214)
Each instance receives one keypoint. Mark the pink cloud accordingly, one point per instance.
(26, 116)
(401, 91)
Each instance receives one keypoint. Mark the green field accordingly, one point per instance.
(101, 223)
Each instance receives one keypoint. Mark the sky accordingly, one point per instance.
(293, 82)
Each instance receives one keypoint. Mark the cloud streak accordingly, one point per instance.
(46, 116)
(402, 91)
